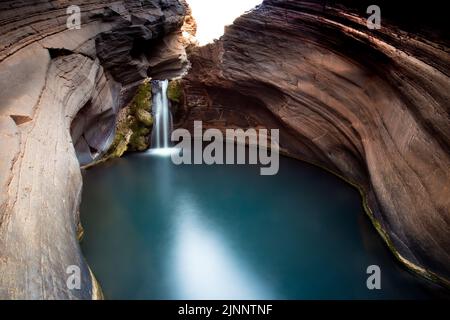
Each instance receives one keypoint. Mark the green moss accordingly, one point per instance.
(144, 117)
(134, 124)
(80, 232)
(121, 145)
(139, 138)
(175, 91)
(142, 99)
(175, 94)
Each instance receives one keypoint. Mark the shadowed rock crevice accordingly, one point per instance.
(18, 119)
(55, 52)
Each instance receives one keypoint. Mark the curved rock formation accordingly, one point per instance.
(60, 90)
(369, 105)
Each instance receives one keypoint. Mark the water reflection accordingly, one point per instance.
(203, 266)
(154, 230)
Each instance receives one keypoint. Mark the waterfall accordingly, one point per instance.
(162, 127)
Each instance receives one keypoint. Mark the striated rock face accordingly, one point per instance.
(60, 91)
(370, 105)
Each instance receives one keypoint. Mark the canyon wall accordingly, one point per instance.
(60, 91)
(370, 105)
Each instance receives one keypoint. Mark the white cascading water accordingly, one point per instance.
(162, 127)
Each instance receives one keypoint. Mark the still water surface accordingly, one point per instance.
(154, 230)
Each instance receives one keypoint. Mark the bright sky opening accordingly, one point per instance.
(213, 15)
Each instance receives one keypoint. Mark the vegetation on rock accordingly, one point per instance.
(175, 94)
(133, 125)
(175, 91)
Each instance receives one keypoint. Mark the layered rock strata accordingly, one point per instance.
(370, 105)
(60, 91)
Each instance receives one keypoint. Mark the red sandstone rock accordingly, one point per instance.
(370, 105)
(60, 90)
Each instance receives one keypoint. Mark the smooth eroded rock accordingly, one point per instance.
(370, 105)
